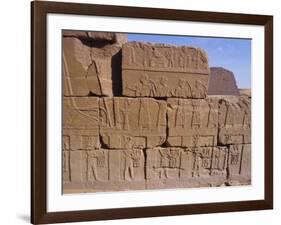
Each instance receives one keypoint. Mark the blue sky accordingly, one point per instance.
(232, 54)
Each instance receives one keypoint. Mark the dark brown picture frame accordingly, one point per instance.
(39, 11)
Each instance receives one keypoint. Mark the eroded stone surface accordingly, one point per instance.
(158, 70)
(91, 68)
(234, 120)
(80, 123)
(222, 82)
(132, 123)
(95, 38)
(192, 122)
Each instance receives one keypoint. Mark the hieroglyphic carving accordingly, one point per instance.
(139, 55)
(147, 70)
(192, 122)
(235, 120)
(163, 163)
(132, 123)
(193, 164)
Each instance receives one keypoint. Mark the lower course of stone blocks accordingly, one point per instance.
(171, 167)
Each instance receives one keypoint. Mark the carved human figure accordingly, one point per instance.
(230, 115)
(197, 164)
(183, 89)
(216, 160)
(125, 113)
(145, 87)
(163, 88)
(196, 120)
(95, 160)
(187, 58)
(131, 55)
(234, 155)
(195, 140)
(245, 105)
(213, 115)
(180, 114)
(170, 58)
(132, 160)
(199, 90)
(157, 59)
(247, 118)
(144, 114)
(161, 120)
(173, 156)
(164, 163)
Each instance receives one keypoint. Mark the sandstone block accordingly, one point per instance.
(158, 70)
(90, 70)
(186, 167)
(222, 82)
(234, 120)
(192, 123)
(130, 123)
(239, 163)
(81, 123)
(103, 170)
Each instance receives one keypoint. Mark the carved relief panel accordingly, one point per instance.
(235, 120)
(164, 71)
(192, 123)
(132, 123)
(81, 123)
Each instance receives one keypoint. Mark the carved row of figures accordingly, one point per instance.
(164, 57)
(193, 113)
(150, 117)
(127, 114)
(158, 163)
(233, 113)
(161, 88)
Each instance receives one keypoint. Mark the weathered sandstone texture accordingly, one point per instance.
(147, 122)
(92, 63)
(158, 70)
(222, 82)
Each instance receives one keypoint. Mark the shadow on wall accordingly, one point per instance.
(116, 73)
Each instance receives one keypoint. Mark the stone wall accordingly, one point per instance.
(137, 116)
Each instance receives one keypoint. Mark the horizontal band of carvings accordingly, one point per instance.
(171, 70)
